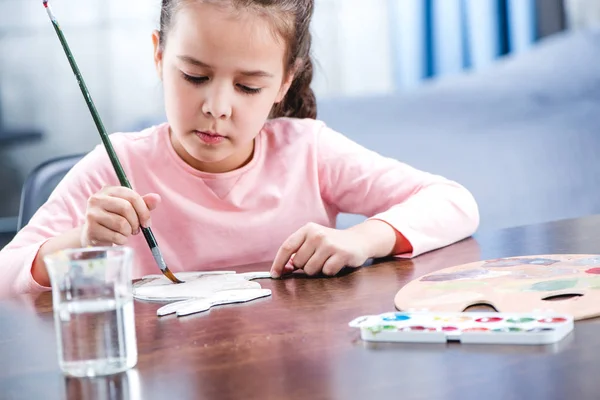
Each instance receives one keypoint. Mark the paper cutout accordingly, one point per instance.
(200, 290)
(187, 307)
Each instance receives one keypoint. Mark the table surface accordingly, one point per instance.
(296, 344)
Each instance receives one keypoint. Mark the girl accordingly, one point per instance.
(242, 172)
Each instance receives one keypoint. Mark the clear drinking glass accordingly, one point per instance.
(93, 310)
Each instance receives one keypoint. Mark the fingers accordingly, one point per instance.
(288, 269)
(314, 265)
(311, 249)
(303, 254)
(103, 236)
(137, 202)
(315, 250)
(326, 263)
(109, 220)
(289, 247)
(115, 213)
(152, 200)
(333, 265)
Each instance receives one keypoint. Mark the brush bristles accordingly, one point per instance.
(45, 3)
(171, 276)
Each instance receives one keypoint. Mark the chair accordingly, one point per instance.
(40, 183)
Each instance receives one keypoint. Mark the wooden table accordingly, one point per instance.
(297, 345)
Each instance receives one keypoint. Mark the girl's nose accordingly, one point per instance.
(217, 105)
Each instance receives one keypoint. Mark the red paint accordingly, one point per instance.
(552, 320)
(476, 330)
(412, 328)
(489, 319)
(418, 328)
(449, 329)
(595, 271)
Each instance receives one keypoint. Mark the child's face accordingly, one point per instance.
(222, 71)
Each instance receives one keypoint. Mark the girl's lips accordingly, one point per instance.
(210, 137)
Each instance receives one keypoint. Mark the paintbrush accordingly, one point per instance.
(106, 141)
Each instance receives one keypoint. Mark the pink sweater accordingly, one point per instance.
(301, 172)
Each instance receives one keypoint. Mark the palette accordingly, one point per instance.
(200, 290)
(465, 327)
(567, 284)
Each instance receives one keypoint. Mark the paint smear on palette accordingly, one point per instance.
(458, 285)
(469, 274)
(593, 271)
(591, 283)
(450, 298)
(584, 262)
(513, 262)
(538, 273)
(550, 286)
(511, 287)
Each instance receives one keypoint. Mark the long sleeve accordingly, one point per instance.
(429, 210)
(64, 210)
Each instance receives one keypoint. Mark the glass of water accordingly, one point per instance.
(93, 310)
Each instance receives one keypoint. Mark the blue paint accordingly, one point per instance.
(452, 276)
(513, 262)
(396, 317)
(586, 261)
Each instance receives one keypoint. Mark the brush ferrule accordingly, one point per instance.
(49, 11)
(159, 258)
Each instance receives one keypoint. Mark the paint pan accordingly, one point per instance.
(465, 327)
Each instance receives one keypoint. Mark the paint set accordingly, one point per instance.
(465, 327)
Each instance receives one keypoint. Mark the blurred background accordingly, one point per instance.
(364, 50)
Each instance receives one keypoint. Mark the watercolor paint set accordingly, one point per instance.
(465, 327)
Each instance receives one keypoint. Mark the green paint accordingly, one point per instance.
(520, 320)
(374, 329)
(512, 329)
(592, 283)
(550, 286)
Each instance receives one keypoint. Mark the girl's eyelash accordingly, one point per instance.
(198, 80)
(249, 90)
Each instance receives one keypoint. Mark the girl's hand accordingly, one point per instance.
(115, 213)
(315, 248)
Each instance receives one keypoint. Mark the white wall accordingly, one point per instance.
(583, 13)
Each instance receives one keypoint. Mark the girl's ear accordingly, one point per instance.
(287, 81)
(158, 53)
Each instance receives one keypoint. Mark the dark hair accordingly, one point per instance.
(292, 20)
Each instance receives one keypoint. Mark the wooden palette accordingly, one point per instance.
(516, 284)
